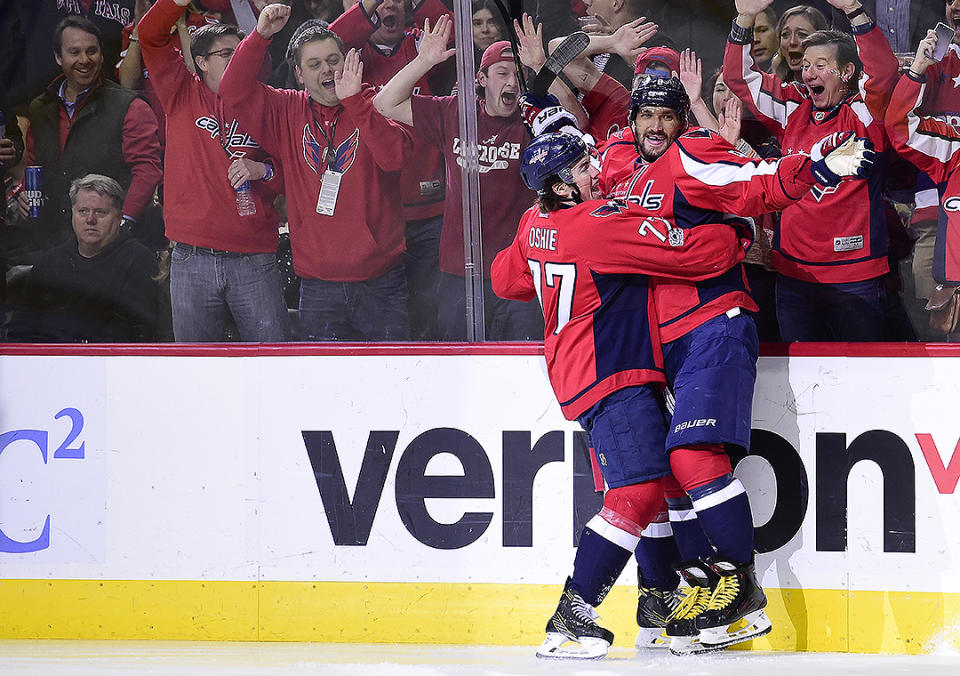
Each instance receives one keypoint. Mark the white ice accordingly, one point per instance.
(76, 658)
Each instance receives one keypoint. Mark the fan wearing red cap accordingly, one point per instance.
(498, 76)
(661, 61)
(503, 200)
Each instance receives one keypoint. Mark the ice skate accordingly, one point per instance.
(654, 606)
(572, 631)
(734, 613)
(681, 625)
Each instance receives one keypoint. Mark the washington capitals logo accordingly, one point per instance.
(317, 159)
(611, 208)
(819, 192)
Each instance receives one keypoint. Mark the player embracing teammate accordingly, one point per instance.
(621, 321)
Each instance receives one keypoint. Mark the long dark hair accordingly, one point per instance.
(816, 19)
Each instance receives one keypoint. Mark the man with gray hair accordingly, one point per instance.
(99, 287)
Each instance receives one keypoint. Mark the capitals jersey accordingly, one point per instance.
(588, 264)
(934, 147)
(701, 179)
(941, 97)
(834, 234)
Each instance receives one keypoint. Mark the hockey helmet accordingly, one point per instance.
(661, 92)
(552, 154)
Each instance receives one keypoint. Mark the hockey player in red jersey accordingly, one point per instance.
(689, 178)
(588, 262)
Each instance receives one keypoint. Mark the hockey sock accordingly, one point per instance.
(600, 559)
(688, 535)
(657, 555)
(723, 509)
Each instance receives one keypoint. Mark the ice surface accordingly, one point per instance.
(75, 658)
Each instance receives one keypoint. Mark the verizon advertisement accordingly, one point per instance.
(442, 468)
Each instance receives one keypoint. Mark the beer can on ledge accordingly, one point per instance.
(33, 184)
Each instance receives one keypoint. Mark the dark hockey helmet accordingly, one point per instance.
(661, 92)
(548, 155)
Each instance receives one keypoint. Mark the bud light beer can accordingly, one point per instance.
(33, 183)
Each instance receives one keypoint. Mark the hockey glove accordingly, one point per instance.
(530, 106)
(541, 119)
(841, 155)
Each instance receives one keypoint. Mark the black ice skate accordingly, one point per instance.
(735, 611)
(681, 625)
(654, 606)
(573, 633)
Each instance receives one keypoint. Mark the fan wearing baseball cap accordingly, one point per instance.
(503, 200)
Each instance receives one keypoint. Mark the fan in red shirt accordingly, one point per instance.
(502, 137)
(831, 249)
(341, 162)
(378, 29)
(224, 262)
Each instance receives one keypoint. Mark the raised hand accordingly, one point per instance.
(924, 57)
(140, 8)
(433, 46)
(530, 43)
(272, 19)
(629, 38)
(752, 7)
(691, 74)
(845, 6)
(729, 119)
(348, 82)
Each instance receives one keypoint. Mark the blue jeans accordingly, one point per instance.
(374, 309)
(423, 276)
(504, 319)
(207, 287)
(851, 311)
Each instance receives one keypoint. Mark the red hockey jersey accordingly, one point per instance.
(941, 97)
(702, 179)
(588, 265)
(832, 235)
(934, 147)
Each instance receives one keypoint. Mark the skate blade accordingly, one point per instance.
(750, 626)
(556, 646)
(688, 645)
(652, 637)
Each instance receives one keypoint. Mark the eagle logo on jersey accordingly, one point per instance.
(819, 191)
(343, 156)
(699, 132)
(610, 208)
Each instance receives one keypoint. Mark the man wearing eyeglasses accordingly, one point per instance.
(224, 263)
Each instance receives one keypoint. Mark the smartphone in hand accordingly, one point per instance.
(944, 38)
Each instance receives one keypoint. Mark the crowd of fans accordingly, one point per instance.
(216, 170)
